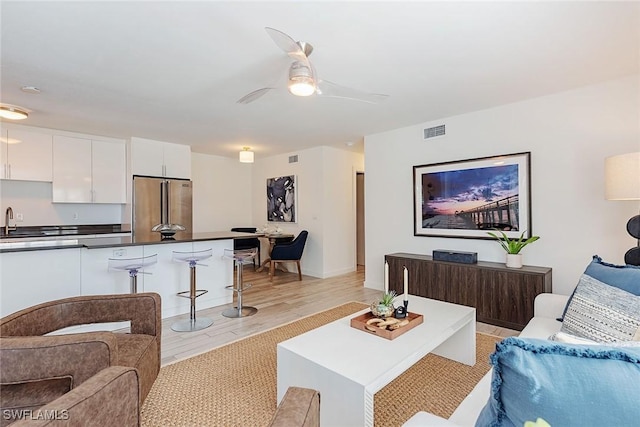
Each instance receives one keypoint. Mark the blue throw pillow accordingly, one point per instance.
(602, 313)
(625, 277)
(564, 384)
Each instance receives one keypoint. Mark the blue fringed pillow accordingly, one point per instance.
(625, 277)
(564, 384)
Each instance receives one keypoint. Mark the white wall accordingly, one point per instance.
(222, 195)
(325, 189)
(568, 134)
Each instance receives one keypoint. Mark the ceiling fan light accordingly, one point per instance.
(12, 113)
(246, 156)
(302, 86)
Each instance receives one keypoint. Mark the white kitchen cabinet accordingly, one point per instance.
(157, 158)
(109, 171)
(88, 171)
(71, 170)
(26, 155)
(33, 277)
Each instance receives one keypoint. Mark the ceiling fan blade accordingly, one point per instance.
(333, 90)
(286, 43)
(250, 97)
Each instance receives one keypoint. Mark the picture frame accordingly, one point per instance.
(282, 200)
(468, 198)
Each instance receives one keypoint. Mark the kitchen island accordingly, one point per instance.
(39, 270)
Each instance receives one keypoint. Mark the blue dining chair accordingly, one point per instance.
(248, 243)
(287, 252)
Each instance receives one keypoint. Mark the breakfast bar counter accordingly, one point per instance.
(38, 270)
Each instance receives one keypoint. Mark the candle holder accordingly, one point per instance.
(401, 312)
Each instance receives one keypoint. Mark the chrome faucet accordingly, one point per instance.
(8, 216)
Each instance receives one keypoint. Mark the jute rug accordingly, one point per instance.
(235, 385)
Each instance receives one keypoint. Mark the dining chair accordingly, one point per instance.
(247, 243)
(287, 252)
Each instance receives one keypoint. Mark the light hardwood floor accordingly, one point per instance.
(283, 301)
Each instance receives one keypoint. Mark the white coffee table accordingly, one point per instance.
(349, 366)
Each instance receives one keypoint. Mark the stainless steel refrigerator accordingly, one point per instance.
(163, 205)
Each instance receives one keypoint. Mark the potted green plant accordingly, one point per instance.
(513, 247)
(384, 307)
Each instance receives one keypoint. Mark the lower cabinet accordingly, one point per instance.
(32, 277)
(501, 296)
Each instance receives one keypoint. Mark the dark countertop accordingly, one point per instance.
(63, 230)
(110, 242)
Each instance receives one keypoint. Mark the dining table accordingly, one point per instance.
(273, 239)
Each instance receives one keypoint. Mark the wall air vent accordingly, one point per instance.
(293, 159)
(434, 131)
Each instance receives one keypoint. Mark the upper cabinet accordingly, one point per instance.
(88, 171)
(25, 155)
(156, 158)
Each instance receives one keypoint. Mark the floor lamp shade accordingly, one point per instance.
(622, 177)
(622, 182)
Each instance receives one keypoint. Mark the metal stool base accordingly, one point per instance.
(243, 312)
(189, 325)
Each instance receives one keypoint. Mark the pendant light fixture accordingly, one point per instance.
(246, 155)
(12, 112)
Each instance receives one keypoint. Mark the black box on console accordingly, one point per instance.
(455, 256)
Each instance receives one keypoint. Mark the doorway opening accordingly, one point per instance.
(360, 255)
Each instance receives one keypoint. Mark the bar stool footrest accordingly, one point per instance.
(187, 294)
(245, 287)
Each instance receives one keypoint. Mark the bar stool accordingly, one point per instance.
(239, 257)
(192, 324)
(133, 266)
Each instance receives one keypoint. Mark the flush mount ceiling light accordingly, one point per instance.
(246, 155)
(12, 112)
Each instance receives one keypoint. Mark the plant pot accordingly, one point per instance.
(380, 310)
(514, 260)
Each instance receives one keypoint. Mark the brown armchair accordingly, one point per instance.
(39, 372)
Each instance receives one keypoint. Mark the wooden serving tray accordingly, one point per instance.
(360, 322)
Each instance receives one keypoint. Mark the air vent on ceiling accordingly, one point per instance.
(434, 131)
(293, 159)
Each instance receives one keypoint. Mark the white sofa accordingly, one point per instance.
(547, 308)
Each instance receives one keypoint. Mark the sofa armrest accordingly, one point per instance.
(78, 356)
(549, 305)
(299, 407)
(109, 398)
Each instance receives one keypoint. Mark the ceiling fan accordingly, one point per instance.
(303, 80)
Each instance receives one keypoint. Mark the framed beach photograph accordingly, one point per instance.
(467, 198)
(281, 199)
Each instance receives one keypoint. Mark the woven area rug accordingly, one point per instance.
(235, 385)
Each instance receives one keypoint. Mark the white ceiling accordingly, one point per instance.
(173, 71)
